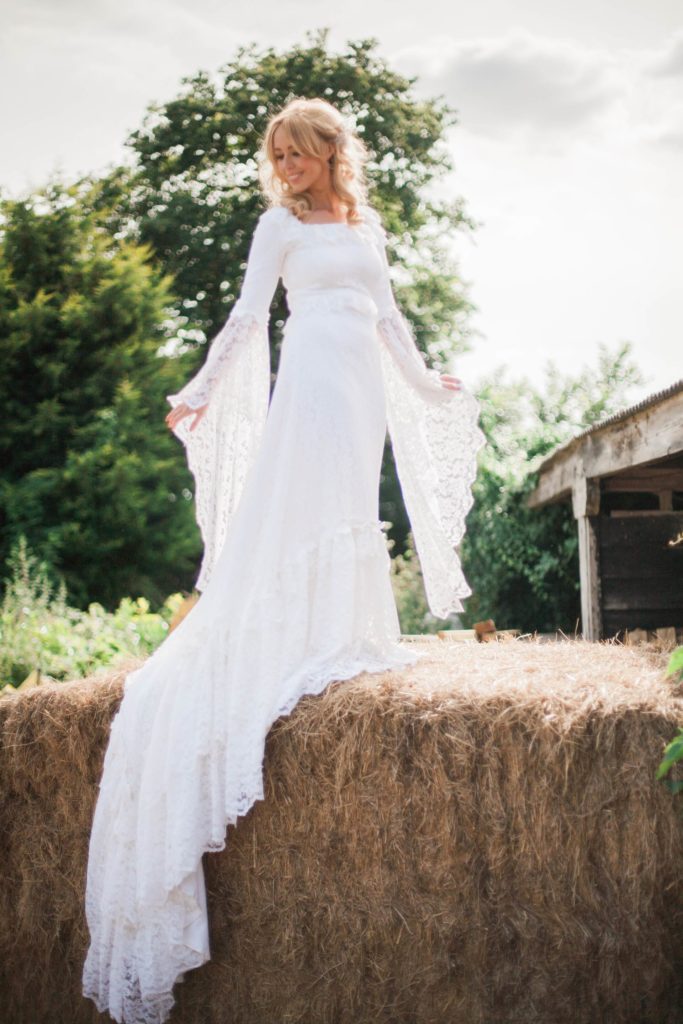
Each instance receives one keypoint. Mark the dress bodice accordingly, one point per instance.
(330, 266)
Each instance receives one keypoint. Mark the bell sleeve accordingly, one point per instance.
(234, 382)
(435, 438)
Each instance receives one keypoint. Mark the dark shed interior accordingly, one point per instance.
(624, 477)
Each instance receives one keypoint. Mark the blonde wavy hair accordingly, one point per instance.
(313, 124)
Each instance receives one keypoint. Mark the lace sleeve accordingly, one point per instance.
(236, 331)
(235, 383)
(249, 314)
(435, 438)
(398, 339)
(395, 332)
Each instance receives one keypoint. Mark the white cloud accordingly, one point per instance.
(518, 82)
(668, 61)
(568, 157)
(549, 93)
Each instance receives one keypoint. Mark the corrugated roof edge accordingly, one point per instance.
(615, 417)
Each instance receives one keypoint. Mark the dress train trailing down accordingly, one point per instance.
(295, 581)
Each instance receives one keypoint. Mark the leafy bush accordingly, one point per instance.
(40, 631)
(411, 601)
(673, 752)
(88, 471)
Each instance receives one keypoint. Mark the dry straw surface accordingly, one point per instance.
(479, 838)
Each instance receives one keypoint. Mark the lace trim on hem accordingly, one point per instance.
(155, 1005)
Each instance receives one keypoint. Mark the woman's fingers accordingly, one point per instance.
(450, 382)
(174, 416)
(200, 412)
(181, 411)
(177, 414)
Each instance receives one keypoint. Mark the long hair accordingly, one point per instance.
(312, 124)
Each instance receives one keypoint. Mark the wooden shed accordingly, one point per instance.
(624, 478)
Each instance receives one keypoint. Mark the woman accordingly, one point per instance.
(295, 579)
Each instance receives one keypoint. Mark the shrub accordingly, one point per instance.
(40, 632)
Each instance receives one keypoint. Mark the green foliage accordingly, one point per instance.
(673, 752)
(40, 631)
(408, 587)
(521, 562)
(89, 470)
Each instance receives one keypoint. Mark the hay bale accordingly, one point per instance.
(477, 839)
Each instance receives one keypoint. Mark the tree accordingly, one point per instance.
(90, 473)
(522, 563)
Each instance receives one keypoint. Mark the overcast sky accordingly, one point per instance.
(568, 151)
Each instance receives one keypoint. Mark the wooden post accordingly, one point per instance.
(586, 507)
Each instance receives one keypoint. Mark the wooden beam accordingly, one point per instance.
(617, 513)
(645, 478)
(585, 497)
(650, 434)
(586, 507)
(591, 625)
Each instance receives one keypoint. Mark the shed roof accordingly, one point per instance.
(622, 414)
(614, 444)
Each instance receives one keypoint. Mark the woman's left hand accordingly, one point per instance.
(450, 382)
(181, 411)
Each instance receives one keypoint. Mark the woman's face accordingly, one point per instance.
(292, 166)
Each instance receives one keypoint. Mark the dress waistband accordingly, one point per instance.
(305, 300)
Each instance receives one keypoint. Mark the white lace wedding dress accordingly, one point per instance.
(295, 580)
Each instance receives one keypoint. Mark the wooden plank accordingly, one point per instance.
(654, 618)
(635, 636)
(645, 593)
(641, 571)
(641, 546)
(660, 527)
(650, 434)
(458, 635)
(585, 497)
(617, 513)
(591, 626)
(635, 566)
(586, 506)
(667, 634)
(645, 478)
